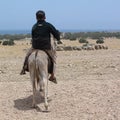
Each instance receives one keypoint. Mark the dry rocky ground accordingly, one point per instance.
(88, 85)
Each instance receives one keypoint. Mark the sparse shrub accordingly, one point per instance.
(83, 40)
(85, 44)
(72, 38)
(8, 42)
(100, 41)
(5, 43)
(11, 42)
(118, 37)
(0, 42)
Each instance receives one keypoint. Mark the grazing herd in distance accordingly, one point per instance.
(84, 47)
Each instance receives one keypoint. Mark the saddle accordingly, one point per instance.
(50, 62)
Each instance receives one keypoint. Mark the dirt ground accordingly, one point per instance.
(88, 85)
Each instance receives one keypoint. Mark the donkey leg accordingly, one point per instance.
(41, 85)
(34, 91)
(45, 85)
(32, 76)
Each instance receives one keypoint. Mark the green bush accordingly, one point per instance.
(72, 38)
(0, 42)
(100, 41)
(82, 40)
(8, 42)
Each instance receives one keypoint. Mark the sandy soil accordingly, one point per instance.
(88, 85)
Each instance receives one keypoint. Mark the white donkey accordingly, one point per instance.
(38, 68)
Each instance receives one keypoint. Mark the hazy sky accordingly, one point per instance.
(64, 14)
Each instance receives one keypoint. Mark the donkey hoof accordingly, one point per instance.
(34, 106)
(41, 90)
(46, 107)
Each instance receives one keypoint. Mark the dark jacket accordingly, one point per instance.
(41, 35)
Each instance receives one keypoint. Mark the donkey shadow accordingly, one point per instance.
(25, 104)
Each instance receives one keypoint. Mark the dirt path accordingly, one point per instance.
(88, 88)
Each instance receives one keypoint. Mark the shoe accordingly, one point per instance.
(22, 72)
(53, 79)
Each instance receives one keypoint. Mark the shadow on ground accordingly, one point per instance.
(26, 103)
